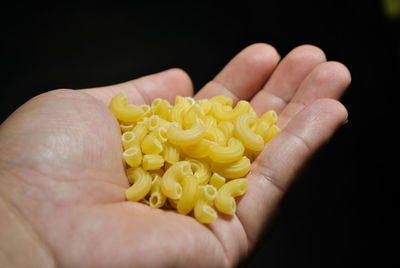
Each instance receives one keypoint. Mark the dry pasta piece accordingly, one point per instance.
(227, 128)
(203, 212)
(244, 133)
(157, 199)
(225, 201)
(198, 150)
(123, 111)
(178, 136)
(171, 153)
(217, 180)
(141, 184)
(232, 170)
(189, 195)
(226, 113)
(227, 154)
(152, 161)
(133, 156)
(200, 169)
(129, 140)
(170, 185)
(270, 117)
(272, 131)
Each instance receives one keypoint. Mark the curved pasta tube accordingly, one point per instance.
(141, 184)
(231, 153)
(157, 199)
(178, 136)
(170, 185)
(216, 135)
(221, 113)
(189, 195)
(224, 100)
(160, 107)
(200, 169)
(225, 200)
(151, 145)
(205, 105)
(129, 140)
(203, 212)
(198, 150)
(133, 156)
(124, 126)
(207, 193)
(243, 131)
(272, 131)
(217, 180)
(141, 131)
(152, 161)
(123, 111)
(232, 170)
(227, 128)
(191, 116)
(171, 153)
(270, 117)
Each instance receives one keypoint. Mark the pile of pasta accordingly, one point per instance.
(191, 156)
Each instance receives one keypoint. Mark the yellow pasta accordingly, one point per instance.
(124, 126)
(170, 185)
(151, 145)
(217, 141)
(232, 170)
(189, 195)
(178, 136)
(227, 154)
(192, 114)
(200, 169)
(123, 111)
(227, 128)
(203, 212)
(160, 107)
(141, 184)
(270, 117)
(224, 100)
(133, 156)
(272, 131)
(171, 153)
(217, 180)
(207, 193)
(157, 198)
(198, 150)
(244, 133)
(205, 105)
(152, 161)
(226, 113)
(216, 135)
(140, 131)
(225, 200)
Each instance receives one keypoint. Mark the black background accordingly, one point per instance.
(335, 215)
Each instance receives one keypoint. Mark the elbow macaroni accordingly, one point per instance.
(190, 156)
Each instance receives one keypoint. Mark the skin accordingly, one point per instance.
(62, 179)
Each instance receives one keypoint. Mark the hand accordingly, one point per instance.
(62, 180)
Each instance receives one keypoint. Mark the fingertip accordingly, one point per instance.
(180, 78)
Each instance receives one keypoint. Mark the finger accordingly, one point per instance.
(287, 77)
(277, 166)
(327, 80)
(166, 84)
(244, 75)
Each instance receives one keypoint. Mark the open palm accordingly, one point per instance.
(63, 175)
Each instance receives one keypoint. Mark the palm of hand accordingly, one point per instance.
(69, 144)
